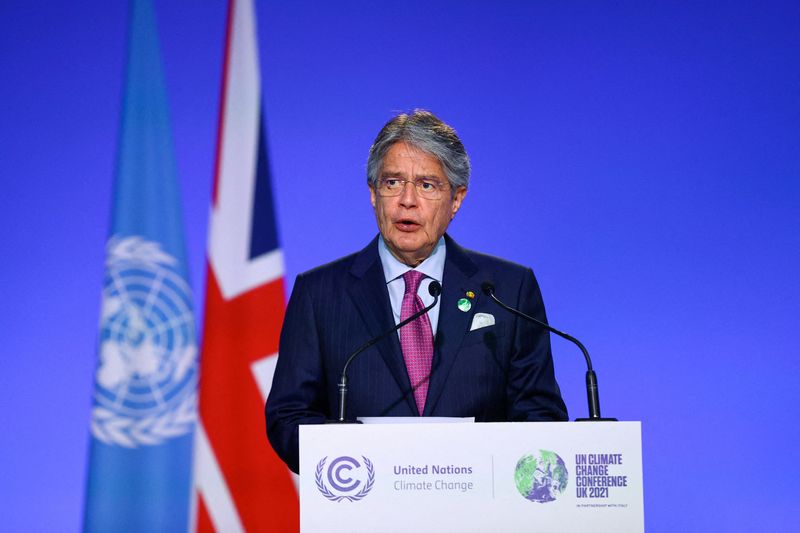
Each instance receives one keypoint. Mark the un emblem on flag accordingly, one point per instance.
(145, 387)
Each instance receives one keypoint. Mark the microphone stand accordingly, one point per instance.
(592, 393)
(434, 289)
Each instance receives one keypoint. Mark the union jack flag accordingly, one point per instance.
(241, 485)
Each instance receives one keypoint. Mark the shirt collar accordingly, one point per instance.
(433, 266)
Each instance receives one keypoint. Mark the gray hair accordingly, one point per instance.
(426, 132)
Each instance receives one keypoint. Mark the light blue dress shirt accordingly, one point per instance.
(393, 270)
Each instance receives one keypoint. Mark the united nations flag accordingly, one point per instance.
(145, 392)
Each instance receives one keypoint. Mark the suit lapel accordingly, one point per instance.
(453, 323)
(371, 297)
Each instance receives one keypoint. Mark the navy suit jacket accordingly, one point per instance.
(502, 372)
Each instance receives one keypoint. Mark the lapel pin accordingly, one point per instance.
(464, 305)
(470, 295)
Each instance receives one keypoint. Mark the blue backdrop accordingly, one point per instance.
(641, 157)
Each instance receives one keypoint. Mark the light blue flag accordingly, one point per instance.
(144, 401)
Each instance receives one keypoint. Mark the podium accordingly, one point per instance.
(482, 477)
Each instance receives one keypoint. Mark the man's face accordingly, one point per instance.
(410, 225)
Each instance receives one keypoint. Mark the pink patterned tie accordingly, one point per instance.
(416, 339)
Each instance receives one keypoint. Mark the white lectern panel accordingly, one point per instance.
(534, 476)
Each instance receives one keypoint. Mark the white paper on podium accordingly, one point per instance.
(414, 420)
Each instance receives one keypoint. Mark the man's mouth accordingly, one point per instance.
(406, 224)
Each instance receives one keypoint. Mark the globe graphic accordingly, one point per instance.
(541, 477)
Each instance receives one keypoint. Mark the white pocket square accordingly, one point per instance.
(481, 320)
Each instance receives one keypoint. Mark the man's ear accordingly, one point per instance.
(372, 196)
(458, 197)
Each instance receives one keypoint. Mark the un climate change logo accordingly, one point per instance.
(541, 477)
(145, 388)
(346, 478)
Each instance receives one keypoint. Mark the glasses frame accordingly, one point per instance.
(418, 183)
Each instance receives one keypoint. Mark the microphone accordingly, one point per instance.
(591, 378)
(435, 290)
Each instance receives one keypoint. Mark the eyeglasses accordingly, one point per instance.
(427, 188)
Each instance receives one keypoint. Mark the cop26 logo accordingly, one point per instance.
(145, 387)
(345, 478)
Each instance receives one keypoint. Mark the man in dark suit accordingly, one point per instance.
(466, 357)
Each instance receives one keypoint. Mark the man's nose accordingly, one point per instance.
(409, 195)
